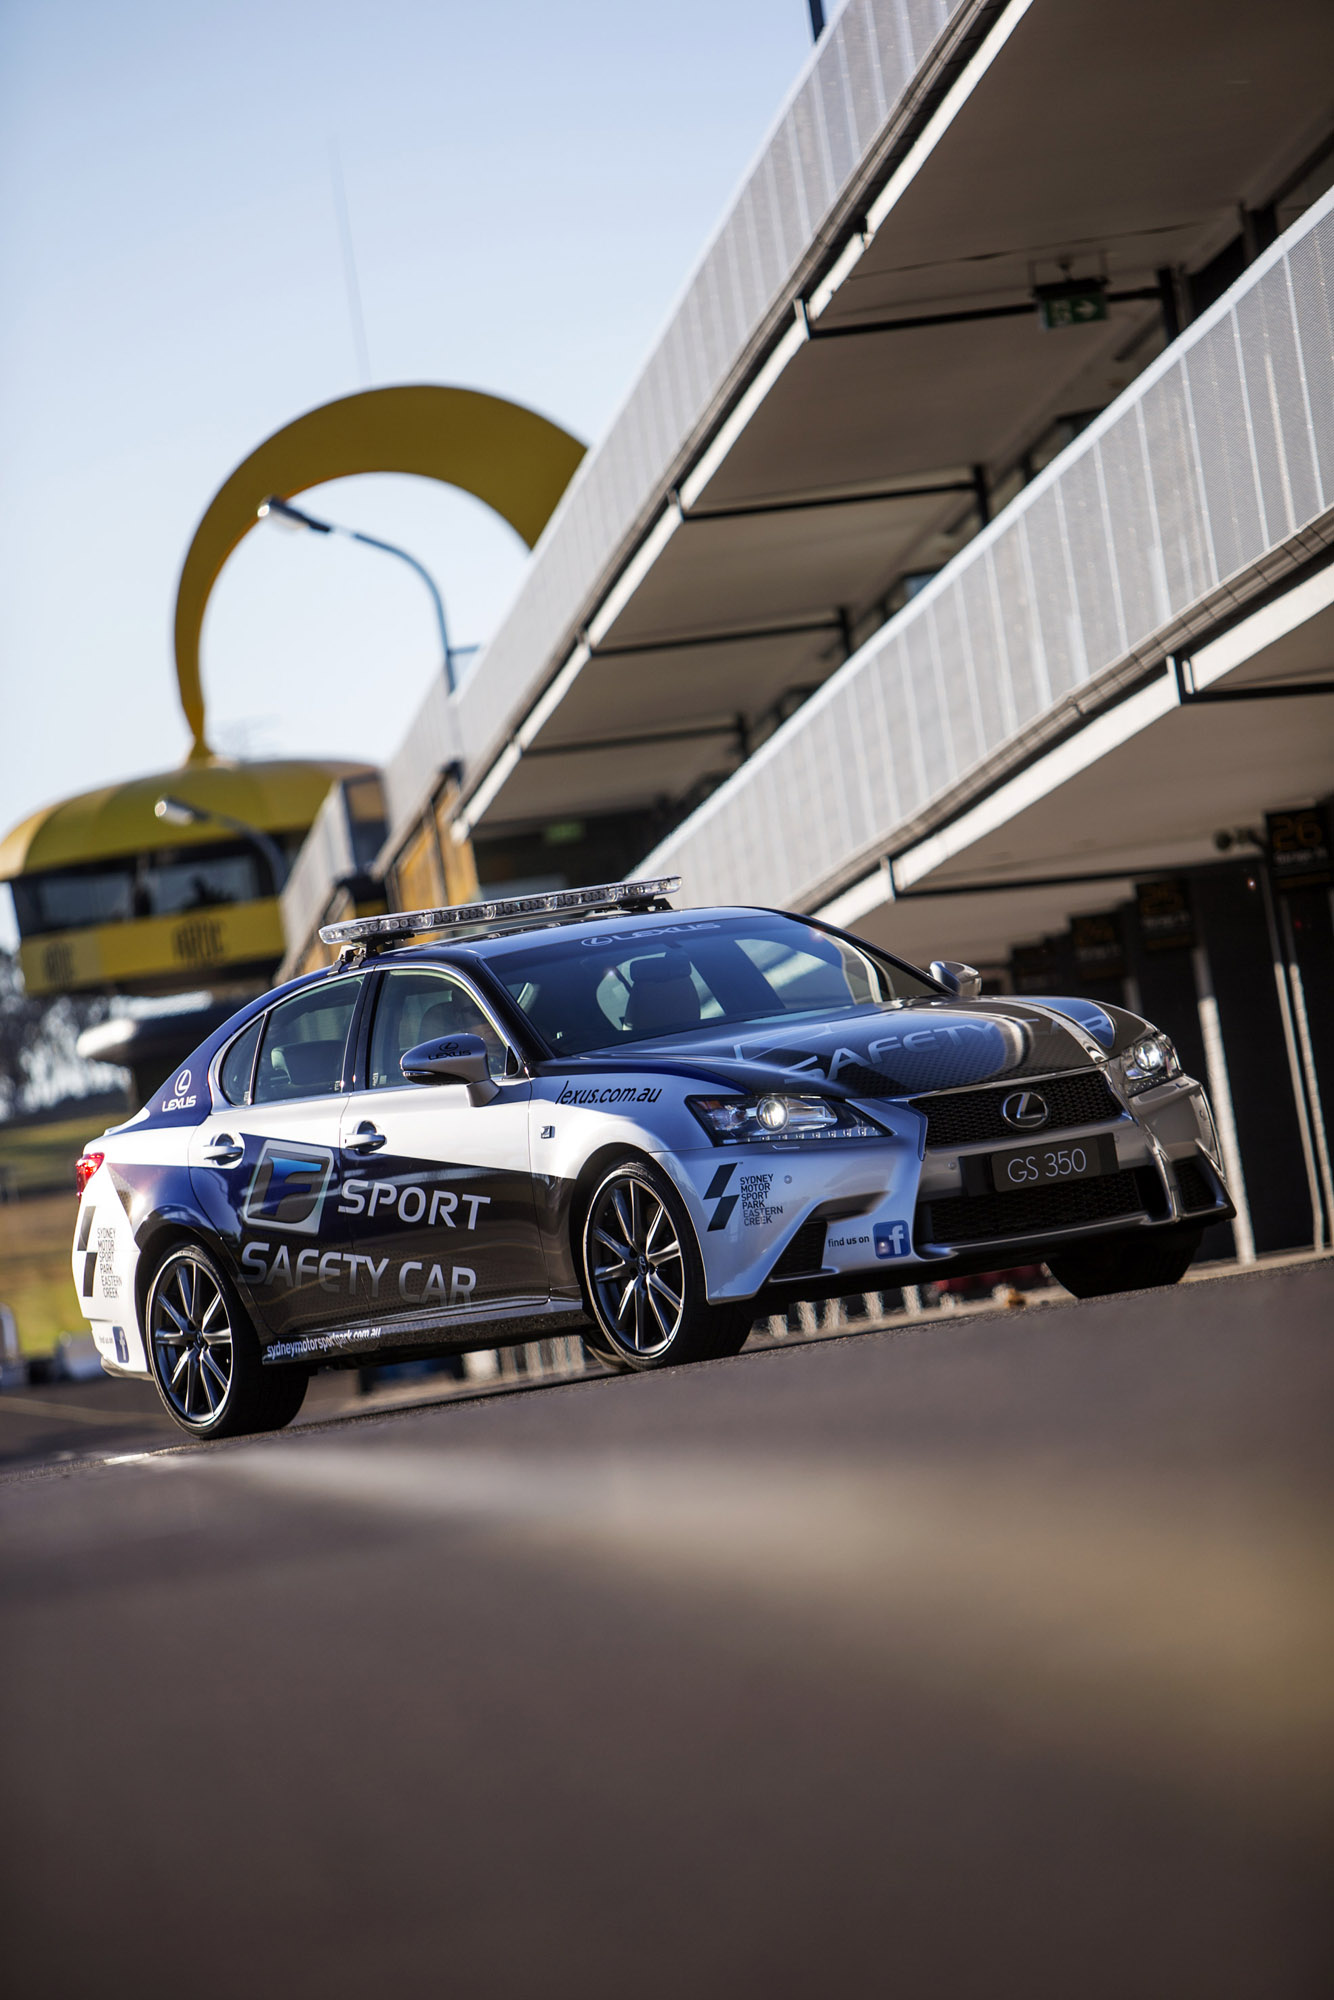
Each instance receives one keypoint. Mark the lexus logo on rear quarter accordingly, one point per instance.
(182, 1084)
(1025, 1110)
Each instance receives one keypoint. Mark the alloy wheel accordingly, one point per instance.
(635, 1267)
(192, 1342)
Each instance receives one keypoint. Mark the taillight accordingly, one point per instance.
(85, 1170)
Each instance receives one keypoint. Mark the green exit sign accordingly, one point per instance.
(1075, 302)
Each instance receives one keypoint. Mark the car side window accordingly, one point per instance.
(304, 1043)
(421, 1007)
(239, 1062)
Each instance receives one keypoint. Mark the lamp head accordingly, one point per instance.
(177, 813)
(287, 516)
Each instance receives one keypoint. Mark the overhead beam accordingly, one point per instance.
(694, 732)
(897, 895)
(1190, 696)
(1143, 295)
(754, 509)
(809, 626)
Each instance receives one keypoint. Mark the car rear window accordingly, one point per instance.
(604, 989)
(239, 1062)
(304, 1041)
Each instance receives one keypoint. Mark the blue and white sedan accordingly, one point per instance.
(591, 1112)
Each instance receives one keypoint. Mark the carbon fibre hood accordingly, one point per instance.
(905, 1048)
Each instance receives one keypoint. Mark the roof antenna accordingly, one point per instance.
(350, 266)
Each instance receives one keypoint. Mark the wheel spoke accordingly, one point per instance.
(639, 1314)
(205, 1384)
(208, 1366)
(659, 1216)
(668, 1329)
(626, 1296)
(182, 1325)
(660, 1288)
(218, 1336)
(184, 1362)
(669, 1255)
(215, 1304)
(185, 1291)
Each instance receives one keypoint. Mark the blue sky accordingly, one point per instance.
(527, 187)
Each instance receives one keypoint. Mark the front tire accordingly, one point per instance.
(204, 1354)
(644, 1277)
(1125, 1264)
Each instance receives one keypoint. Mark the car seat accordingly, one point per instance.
(457, 1014)
(307, 1068)
(439, 1020)
(663, 996)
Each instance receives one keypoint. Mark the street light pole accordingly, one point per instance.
(284, 510)
(176, 812)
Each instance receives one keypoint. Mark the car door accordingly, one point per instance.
(438, 1190)
(265, 1166)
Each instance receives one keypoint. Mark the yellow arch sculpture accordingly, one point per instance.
(514, 460)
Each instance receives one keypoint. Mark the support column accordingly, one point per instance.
(1220, 1096)
(1301, 1057)
(1229, 903)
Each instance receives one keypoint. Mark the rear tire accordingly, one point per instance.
(1126, 1263)
(205, 1356)
(643, 1277)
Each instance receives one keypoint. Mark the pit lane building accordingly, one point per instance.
(961, 565)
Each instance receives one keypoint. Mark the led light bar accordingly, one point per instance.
(559, 902)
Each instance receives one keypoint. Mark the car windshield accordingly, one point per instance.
(600, 990)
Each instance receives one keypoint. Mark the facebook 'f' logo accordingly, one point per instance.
(893, 1239)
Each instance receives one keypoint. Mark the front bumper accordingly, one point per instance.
(866, 1216)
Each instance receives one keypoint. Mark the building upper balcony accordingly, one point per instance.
(1046, 708)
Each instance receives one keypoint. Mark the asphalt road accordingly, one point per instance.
(979, 1658)
(66, 1423)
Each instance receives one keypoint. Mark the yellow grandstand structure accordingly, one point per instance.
(111, 897)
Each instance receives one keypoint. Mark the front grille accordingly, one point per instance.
(966, 1117)
(805, 1253)
(1193, 1183)
(1032, 1211)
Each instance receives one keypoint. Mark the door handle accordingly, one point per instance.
(224, 1151)
(365, 1139)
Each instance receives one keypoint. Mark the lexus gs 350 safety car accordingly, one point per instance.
(592, 1112)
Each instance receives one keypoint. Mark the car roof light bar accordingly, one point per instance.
(370, 932)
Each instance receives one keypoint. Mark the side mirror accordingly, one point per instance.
(452, 1059)
(964, 980)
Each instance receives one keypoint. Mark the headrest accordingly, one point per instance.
(663, 997)
(651, 971)
(439, 1019)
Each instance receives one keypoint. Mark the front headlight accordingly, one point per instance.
(1149, 1061)
(770, 1115)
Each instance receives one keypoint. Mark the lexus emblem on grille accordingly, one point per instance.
(1025, 1110)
